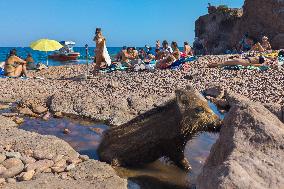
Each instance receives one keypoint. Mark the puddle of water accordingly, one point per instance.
(84, 136)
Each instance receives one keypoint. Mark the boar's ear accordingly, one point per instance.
(189, 87)
(181, 99)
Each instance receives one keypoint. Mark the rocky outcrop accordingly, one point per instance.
(160, 132)
(215, 29)
(221, 31)
(249, 152)
(48, 162)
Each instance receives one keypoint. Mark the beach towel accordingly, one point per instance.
(280, 60)
(235, 67)
(2, 71)
(177, 64)
(106, 56)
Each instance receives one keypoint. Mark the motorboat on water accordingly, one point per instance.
(66, 53)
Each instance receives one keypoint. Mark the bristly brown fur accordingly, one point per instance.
(162, 131)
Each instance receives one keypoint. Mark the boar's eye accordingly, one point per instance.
(199, 109)
(183, 99)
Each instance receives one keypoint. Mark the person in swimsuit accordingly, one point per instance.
(30, 62)
(158, 44)
(171, 58)
(176, 51)
(15, 66)
(263, 46)
(100, 59)
(265, 43)
(120, 54)
(247, 61)
(187, 50)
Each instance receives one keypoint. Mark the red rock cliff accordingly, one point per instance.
(221, 30)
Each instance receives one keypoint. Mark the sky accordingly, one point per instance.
(124, 22)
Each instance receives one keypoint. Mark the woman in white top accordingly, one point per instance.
(101, 53)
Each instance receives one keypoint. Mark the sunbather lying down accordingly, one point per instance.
(248, 61)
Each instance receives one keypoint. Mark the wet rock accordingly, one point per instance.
(25, 176)
(248, 147)
(47, 116)
(19, 120)
(97, 130)
(39, 109)
(66, 131)
(2, 158)
(27, 112)
(58, 115)
(13, 155)
(4, 106)
(9, 114)
(84, 157)
(40, 165)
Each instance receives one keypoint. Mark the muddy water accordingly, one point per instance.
(84, 136)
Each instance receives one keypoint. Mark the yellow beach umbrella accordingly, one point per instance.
(46, 45)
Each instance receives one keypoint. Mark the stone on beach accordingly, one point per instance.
(25, 176)
(19, 120)
(13, 167)
(4, 106)
(2, 181)
(2, 157)
(250, 146)
(27, 112)
(13, 155)
(40, 165)
(39, 109)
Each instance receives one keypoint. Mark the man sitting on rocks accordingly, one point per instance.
(15, 66)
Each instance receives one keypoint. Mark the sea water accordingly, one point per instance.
(39, 56)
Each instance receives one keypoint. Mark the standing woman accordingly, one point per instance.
(101, 53)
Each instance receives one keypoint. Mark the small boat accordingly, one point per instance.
(66, 53)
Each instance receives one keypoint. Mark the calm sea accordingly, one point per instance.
(41, 56)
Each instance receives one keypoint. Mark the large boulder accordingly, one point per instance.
(222, 31)
(249, 152)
